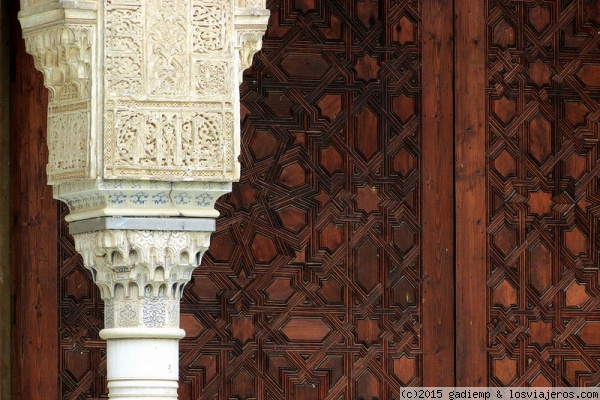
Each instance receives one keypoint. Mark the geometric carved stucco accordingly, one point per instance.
(168, 98)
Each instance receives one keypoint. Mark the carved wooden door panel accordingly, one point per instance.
(313, 284)
(543, 119)
(527, 165)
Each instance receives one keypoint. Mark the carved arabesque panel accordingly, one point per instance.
(543, 68)
(311, 286)
(170, 100)
(160, 84)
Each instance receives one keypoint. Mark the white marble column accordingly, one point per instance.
(143, 138)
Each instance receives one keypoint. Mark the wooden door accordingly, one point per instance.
(403, 163)
(527, 194)
(34, 265)
(314, 284)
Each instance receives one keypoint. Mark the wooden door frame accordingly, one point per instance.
(33, 230)
(437, 196)
(470, 190)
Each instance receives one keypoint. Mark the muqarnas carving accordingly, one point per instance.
(141, 274)
(63, 53)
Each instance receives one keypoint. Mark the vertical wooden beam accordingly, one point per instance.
(438, 197)
(33, 231)
(5, 302)
(470, 189)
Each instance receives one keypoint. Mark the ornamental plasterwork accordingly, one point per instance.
(146, 91)
(169, 103)
(63, 53)
(140, 273)
(157, 99)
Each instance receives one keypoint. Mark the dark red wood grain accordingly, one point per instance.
(438, 195)
(34, 266)
(470, 189)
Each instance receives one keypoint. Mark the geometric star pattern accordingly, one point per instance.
(314, 271)
(543, 71)
(82, 354)
(312, 285)
(311, 288)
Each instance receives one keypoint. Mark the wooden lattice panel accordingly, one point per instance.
(543, 72)
(311, 287)
(82, 354)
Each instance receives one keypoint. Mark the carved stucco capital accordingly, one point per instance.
(250, 25)
(141, 273)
